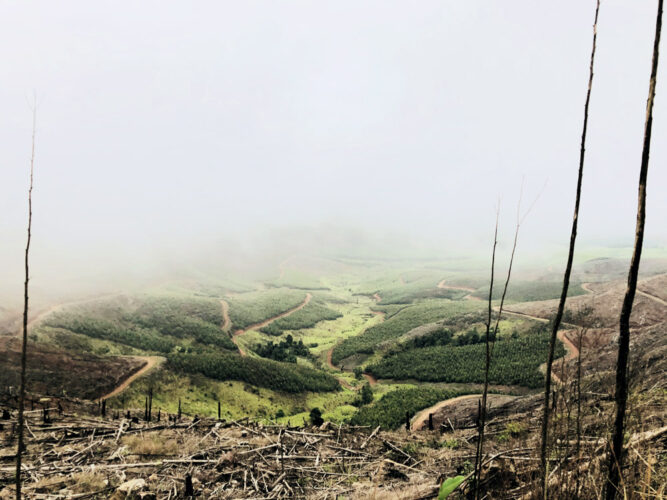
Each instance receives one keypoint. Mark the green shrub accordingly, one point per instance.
(199, 319)
(284, 377)
(254, 307)
(514, 362)
(287, 350)
(389, 411)
(316, 417)
(130, 335)
(307, 317)
(399, 324)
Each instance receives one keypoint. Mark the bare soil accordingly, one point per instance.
(605, 304)
(150, 363)
(53, 371)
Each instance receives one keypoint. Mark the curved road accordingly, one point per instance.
(268, 321)
(652, 297)
(151, 362)
(573, 351)
(443, 286)
(450, 287)
(422, 417)
(371, 379)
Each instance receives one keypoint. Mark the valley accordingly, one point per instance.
(377, 349)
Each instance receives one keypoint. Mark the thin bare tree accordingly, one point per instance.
(621, 396)
(568, 269)
(490, 340)
(480, 440)
(24, 347)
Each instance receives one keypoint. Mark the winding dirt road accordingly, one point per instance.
(371, 379)
(151, 362)
(226, 322)
(586, 287)
(268, 321)
(572, 353)
(652, 297)
(443, 286)
(340, 380)
(50, 310)
(421, 418)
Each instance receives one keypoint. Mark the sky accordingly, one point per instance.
(165, 128)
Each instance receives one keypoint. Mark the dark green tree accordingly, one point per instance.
(366, 394)
(316, 417)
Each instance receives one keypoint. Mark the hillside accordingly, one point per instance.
(426, 354)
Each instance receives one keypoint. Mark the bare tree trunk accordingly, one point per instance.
(580, 338)
(616, 457)
(489, 347)
(480, 444)
(568, 268)
(24, 355)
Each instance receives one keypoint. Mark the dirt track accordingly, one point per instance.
(268, 321)
(226, 322)
(43, 314)
(442, 286)
(422, 416)
(371, 380)
(652, 297)
(151, 362)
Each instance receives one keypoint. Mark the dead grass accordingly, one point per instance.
(151, 445)
(80, 482)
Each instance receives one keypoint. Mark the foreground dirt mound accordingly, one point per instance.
(52, 371)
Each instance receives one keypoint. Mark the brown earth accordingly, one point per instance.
(226, 322)
(150, 363)
(655, 287)
(443, 286)
(605, 303)
(461, 404)
(451, 287)
(52, 371)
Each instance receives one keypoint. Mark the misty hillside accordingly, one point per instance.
(333, 250)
